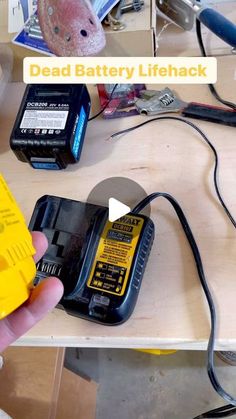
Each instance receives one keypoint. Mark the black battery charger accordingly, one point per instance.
(100, 263)
(50, 126)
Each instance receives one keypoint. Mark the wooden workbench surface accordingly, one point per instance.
(164, 156)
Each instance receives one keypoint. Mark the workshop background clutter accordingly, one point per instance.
(123, 102)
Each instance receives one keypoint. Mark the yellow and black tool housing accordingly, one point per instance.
(17, 267)
(100, 263)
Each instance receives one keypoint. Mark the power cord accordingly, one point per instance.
(104, 107)
(211, 86)
(228, 410)
(205, 138)
(220, 412)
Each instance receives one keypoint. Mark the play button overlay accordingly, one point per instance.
(125, 191)
(117, 209)
(119, 195)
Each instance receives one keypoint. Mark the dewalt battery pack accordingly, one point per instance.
(100, 263)
(50, 126)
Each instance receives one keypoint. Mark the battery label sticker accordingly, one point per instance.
(113, 260)
(78, 132)
(39, 119)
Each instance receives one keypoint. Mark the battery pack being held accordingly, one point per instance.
(100, 263)
(50, 126)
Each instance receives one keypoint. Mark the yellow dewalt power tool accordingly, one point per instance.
(17, 267)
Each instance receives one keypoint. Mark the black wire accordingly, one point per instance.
(217, 415)
(211, 86)
(104, 107)
(220, 412)
(203, 135)
(196, 254)
(228, 410)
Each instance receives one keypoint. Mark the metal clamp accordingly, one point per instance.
(153, 102)
(32, 28)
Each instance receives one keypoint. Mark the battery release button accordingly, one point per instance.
(98, 306)
(101, 299)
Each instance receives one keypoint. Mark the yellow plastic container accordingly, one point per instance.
(17, 267)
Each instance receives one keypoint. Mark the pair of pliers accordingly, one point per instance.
(154, 102)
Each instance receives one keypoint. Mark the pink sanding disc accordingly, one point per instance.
(70, 27)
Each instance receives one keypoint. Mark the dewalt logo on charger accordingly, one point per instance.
(129, 220)
(100, 263)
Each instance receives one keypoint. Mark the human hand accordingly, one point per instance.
(43, 299)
